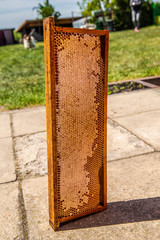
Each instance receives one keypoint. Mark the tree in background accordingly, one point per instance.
(122, 14)
(121, 11)
(147, 13)
(46, 10)
(88, 6)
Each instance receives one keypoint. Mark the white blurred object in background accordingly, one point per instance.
(28, 41)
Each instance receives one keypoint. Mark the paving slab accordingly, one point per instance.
(31, 153)
(134, 102)
(5, 130)
(10, 225)
(122, 144)
(31, 150)
(145, 125)
(7, 166)
(29, 122)
(134, 179)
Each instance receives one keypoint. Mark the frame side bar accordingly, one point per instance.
(48, 25)
(105, 116)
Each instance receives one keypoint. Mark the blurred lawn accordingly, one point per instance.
(131, 55)
(21, 76)
(134, 55)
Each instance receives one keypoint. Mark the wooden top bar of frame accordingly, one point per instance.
(82, 31)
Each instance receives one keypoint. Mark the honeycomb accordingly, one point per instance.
(79, 87)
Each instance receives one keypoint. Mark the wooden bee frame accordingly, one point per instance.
(76, 71)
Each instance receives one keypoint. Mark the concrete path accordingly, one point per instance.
(133, 174)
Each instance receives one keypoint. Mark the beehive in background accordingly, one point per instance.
(76, 63)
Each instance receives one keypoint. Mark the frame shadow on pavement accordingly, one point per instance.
(119, 213)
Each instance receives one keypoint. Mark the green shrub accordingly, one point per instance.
(146, 14)
(17, 36)
(122, 14)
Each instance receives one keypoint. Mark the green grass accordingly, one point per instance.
(21, 76)
(131, 55)
(134, 55)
